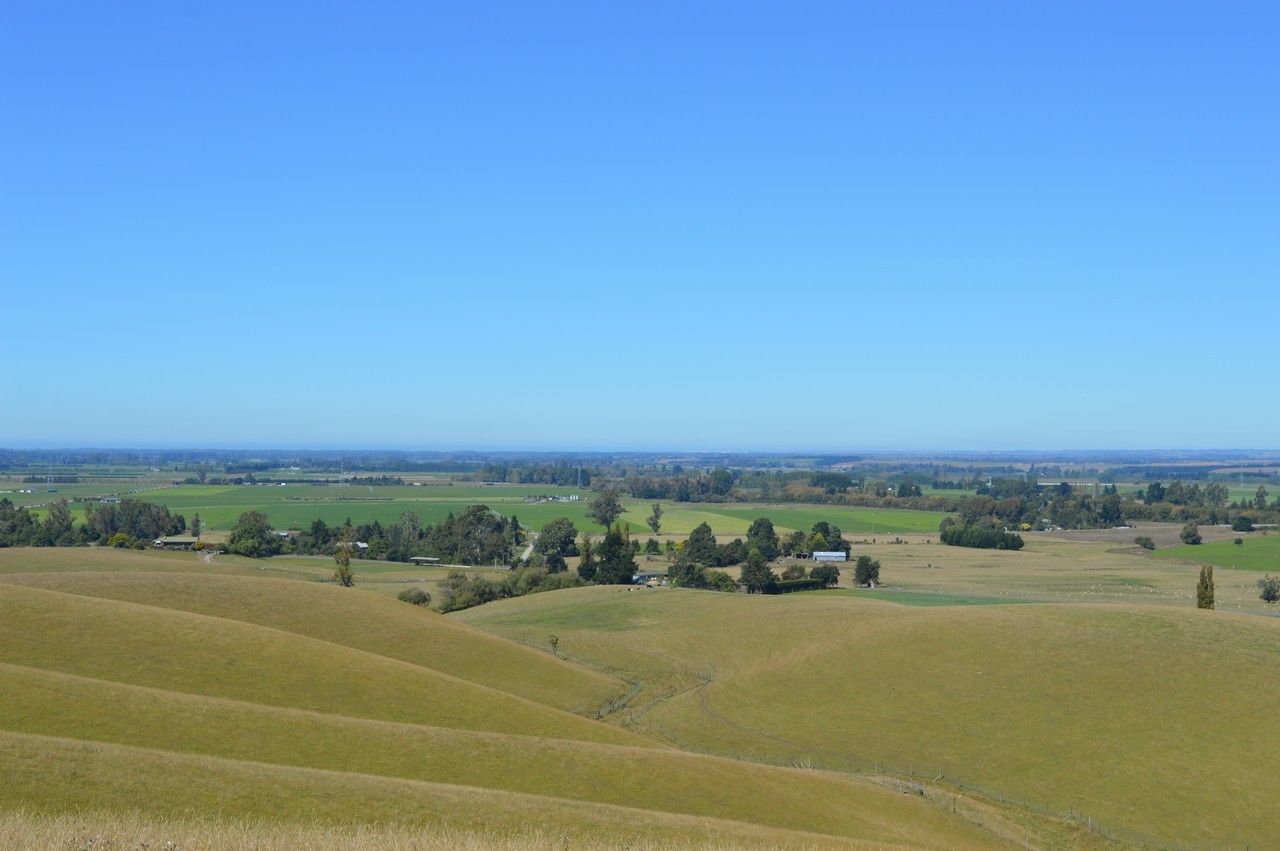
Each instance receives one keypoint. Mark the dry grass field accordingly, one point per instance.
(1146, 719)
(1067, 695)
(1050, 569)
(223, 708)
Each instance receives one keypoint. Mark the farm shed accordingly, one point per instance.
(830, 555)
(424, 560)
(174, 542)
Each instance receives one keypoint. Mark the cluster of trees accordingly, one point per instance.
(1195, 503)
(478, 535)
(253, 536)
(128, 523)
(756, 576)
(559, 473)
(1021, 502)
(461, 591)
(979, 535)
(687, 574)
(612, 561)
(711, 486)
(701, 547)
(699, 553)
(1213, 495)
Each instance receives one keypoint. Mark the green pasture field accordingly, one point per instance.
(856, 520)
(1237, 492)
(296, 506)
(929, 490)
(42, 494)
(1257, 553)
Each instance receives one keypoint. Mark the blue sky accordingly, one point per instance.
(651, 225)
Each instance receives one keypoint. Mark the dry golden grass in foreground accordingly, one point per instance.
(133, 832)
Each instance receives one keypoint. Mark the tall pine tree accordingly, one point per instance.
(1204, 588)
(756, 576)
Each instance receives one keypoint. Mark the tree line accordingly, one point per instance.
(476, 536)
(128, 523)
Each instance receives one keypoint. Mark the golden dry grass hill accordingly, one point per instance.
(174, 697)
(1150, 721)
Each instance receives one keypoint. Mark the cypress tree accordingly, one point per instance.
(1204, 589)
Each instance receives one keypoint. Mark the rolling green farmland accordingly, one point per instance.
(1258, 552)
(858, 520)
(295, 506)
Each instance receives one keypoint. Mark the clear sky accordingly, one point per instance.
(645, 225)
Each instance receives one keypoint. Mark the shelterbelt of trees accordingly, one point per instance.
(1014, 500)
(130, 522)
(1026, 505)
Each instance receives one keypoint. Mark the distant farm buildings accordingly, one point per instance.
(830, 555)
(424, 560)
(175, 542)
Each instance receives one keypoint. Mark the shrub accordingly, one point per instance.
(827, 573)
(120, 539)
(786, 586)
(1239, 542)
(1145, 542)
(718, 580)
(415, 596)
(1190, 534)
(1242, 523)
(981, 537)
(793, 571)
(1269, 588)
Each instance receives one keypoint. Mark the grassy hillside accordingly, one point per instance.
(197, 654)
(79, 559)
(362, 621)
(158, 696)
(47, 775)
(1150, 720)
(657, 779)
